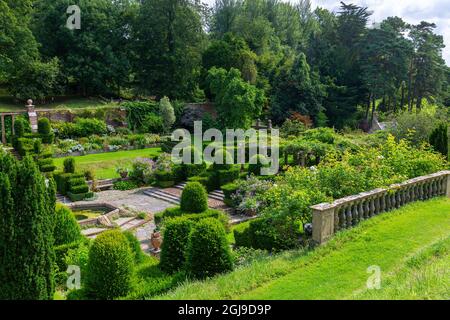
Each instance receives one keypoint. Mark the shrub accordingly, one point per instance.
(87, 127)
(152, 124)
(110, 266)
(208, 252)
(439, 139)
(61, 252)
(135, 247)
(80, 196)
(125, 185)
(194, 198)
(203, 180)
(79, 189)
(37, 146)
(225, 157)
(228, 176)
(176, 233)
(19, 127)
(228, 191)
(45, 130)
(167, 113)
(69, 165)
(67, 229)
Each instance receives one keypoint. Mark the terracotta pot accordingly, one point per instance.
(251, 212)
(156, 240)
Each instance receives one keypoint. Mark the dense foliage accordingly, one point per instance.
(67, 229)
(194, 198)
(27, 209)
(110, 266)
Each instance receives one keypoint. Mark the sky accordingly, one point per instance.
(412, 11)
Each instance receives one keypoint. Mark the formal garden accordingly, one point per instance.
(93, 205)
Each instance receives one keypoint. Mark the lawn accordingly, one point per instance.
(338, 270)
(104, 164)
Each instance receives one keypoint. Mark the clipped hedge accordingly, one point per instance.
(228, 176)
(176, 212)
(110, 266)
(135, 247)
(84, 188)
(194, 198)
(257, 162)
(229, 190)
(208, 252)
(270, 234)
(80, 197)
(61, 253)
(176, 234)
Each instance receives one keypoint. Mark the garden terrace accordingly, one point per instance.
(329, 218)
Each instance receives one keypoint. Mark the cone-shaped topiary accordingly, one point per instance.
(208, 252)
(194, 198)
(26, 231)
(67, 230)
(110, 266)
(176, 234)
(69, 165)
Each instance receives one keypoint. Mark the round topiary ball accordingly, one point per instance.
(208, 252)
(110, 266)
(194, 198)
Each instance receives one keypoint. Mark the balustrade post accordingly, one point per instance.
(448, 186)
(323, 222)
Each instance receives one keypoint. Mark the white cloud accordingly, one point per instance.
(412, 11)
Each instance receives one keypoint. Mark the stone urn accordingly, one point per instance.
(156, 241)
(124, 174)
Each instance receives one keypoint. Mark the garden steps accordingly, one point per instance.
(217, 195)
(162, 195)
(62, 199)
(181, 185)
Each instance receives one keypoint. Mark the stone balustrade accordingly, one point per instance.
(328, 218)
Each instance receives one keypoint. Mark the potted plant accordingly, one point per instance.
(156, 240)
(123, 172)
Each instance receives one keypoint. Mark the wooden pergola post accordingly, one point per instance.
(3, 129)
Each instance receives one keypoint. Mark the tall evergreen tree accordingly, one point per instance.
(26, 232)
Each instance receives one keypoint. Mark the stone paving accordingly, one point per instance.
(134, 200)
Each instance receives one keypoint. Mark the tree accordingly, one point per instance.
(96, 58)
(238, 103)
(21, 67)
(26, 231)
(168, 40)
(427, 69)
(167, 113)
(67, 230)
(297, 89)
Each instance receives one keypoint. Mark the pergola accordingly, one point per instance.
(2, 116)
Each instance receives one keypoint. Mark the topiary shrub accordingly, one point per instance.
(67, 230)
(228, 176)
(176, 233)
(45, 131)
(194, 198)
(110, 266)
(135, 247)
(19, 127)
(227, 160)
(208, 252)
(229, 190)
(44, 126)
(69, 165)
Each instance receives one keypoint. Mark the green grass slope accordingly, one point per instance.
(338, 270)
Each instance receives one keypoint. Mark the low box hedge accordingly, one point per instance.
(84, 188)
(80, 197)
